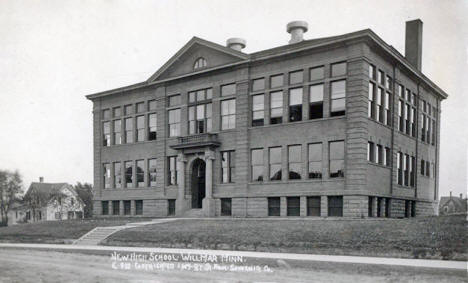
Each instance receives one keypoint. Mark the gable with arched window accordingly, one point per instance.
(199, 63)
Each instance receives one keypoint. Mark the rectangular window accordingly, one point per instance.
(174, 100)
(423, 127)
(139, 207)
(200, 120)
(106, 134)
(228, 114)
(313, 206)
(171, 207)
(276, 81)
(140, 173)
(388, 83)
(370, 152)
(140, 131)
(275, 163)
(388, 115)
(411, 170)
(407, 119)
(152, 126)
(316, 73)
(381, 77)
(338, 69)
(127, 207)
(274, 206)
(338, 98)
(172, 174)
(371, 71)
(128, 109)
(296, 77)
(295, 104)
(400, 168)
(387, 157)
(315, 161)
(400, 90)
(152, 173)
(140, 107)
(257, 164)
(174, 122)
(428, 169)
(423, 166)
(380, 113)
(370, 207)
(258, 110)
(371, 101)
(128, 130)
(106, 169)
(413, 126)
(316, 102)
(335, 206)
(401, 111)
(227, 90)
(228, 161)
(433, 132)
(117, 129)
(117, 175)
(379, 155)
(105, 207)
(406, 162)
(258, 84)
(128, 174)
(226, 205)
(117, 112)
(293, 206)
(428, 133)
(295, 162)
(152, 105)
(105, 114)
(115, 207)
(276, 107)
(336, 153)
(200, 95)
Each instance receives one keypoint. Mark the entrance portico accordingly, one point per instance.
(195, 174)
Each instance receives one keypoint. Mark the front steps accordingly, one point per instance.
(193, 213)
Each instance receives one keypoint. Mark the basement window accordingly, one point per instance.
(274, 206)
(293, 206)
(226, 207)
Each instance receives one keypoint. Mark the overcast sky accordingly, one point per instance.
(53, 53)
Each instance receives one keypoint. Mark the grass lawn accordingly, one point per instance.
(429, 237)
(57, 232)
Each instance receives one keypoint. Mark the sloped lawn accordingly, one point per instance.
(57, 232)
(430, 237)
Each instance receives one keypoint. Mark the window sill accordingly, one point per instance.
(298, 122)
(379, 165)
(308, 181)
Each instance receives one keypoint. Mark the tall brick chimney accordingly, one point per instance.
(41, 179)
(297, 30)
(413, 42)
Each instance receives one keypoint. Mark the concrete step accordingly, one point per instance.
(193, 213)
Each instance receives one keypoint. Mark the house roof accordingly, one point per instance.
(46, 190)
(275, 52)
(460, 203)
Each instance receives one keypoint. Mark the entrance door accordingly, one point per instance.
(198, 183)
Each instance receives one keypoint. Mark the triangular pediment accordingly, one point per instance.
(184, 60)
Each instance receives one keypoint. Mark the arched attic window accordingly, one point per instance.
(199, 63)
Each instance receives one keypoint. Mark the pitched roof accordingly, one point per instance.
(274, 52)
(459, 203)
(46, 190)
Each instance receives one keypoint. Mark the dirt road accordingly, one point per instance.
(20, 265)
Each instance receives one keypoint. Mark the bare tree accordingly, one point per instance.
(11, 186)
(85, 191)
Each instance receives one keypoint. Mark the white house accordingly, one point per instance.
(52, 201)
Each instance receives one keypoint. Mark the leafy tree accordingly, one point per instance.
(85, 192)
(11, 187)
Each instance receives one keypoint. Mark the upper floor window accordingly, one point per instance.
(315, 161)
(338, 98)
(316, 101)
(371, 101)
(228, 166)
(388, 82)
(174, 100)
(117, 111)
(294, 162)
(381, 77)
(338, 69)
(295, 104)
(128, 130)
(200, 95)
(296, 77)
(140, 107)
(140, 129)
(276, 81)
(257, 164)
(228, 114)
(152, 105)
(152, 172)
(258, 84)
(140, 173)
(316, 73)
(275, 163)
(336, 154)
(105, 114)
(106, 169)
(172, 170)
(199, 63)
(229, 89)
(174, 122)
(117, 175)
(106, 133)
(128, 174)
(128, 109)
(257, 110)
(152, 126)
(200, 118)
(372, 71)
(117, 129)
(276, 107)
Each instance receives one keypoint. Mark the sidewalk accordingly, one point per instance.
(460, 265)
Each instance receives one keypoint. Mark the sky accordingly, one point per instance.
(54, 52)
